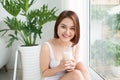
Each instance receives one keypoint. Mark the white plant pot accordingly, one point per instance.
(116, 71)
(30, 62)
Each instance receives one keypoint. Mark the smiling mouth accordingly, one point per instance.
(66, 36)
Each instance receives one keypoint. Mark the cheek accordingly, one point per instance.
(60, 30)
(73, 33)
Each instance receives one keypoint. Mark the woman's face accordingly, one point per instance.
(66, 29)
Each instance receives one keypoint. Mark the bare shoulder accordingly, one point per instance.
(76, 52)
(44, 46)
(44, 49)
(77, 47)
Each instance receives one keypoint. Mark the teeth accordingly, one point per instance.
(66, 36)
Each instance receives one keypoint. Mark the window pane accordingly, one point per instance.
(105, 39)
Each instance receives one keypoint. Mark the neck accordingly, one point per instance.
(62, 43)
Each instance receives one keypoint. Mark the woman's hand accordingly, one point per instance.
(67, 65)
(62, 65)
(71, 65)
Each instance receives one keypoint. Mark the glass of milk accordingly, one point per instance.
(68, 54)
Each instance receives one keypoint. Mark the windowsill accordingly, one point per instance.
(108, 75)
(94, 75)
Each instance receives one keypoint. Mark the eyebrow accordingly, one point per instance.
(66, 25)
(63, 24)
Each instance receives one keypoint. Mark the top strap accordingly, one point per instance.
(51, 51)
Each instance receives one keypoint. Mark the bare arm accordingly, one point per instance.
(45, 61)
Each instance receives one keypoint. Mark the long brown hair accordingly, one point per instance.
(72, 15)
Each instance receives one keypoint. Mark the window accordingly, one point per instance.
(105, 38)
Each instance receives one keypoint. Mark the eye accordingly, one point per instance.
(72, 28)
(63, 26)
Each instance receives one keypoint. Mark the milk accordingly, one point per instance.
(68, 54)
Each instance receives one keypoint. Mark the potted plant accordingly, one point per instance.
(26, 30)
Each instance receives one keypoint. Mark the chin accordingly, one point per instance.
(65, 40)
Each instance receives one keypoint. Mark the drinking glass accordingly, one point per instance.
(68, 54)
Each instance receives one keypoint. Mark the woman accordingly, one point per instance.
(52, 62)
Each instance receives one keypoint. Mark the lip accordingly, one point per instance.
(65, 36)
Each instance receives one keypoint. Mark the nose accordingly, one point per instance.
(67, 31)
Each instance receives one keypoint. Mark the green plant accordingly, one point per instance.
(29, 29)
(98, 12)
(118, 21)
(102, 51)
(106, 51)
(117, 54)
(113, 21)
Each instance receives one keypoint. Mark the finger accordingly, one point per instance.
(71, 64)
(67, 67)
(71, 69)
(67, 62)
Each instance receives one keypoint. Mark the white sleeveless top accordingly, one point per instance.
(53, 63)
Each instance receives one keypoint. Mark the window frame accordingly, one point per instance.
(97, 76)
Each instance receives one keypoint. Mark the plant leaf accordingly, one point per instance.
(11, 6)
